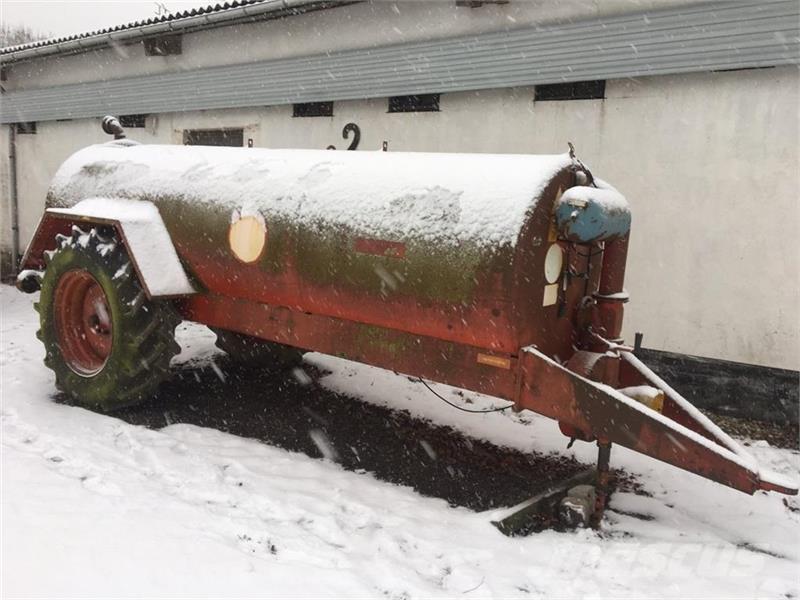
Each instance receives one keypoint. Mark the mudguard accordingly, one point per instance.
(139, 226)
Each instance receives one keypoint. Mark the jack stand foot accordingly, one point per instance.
(541, 511)
(603, 481)
(575, 502)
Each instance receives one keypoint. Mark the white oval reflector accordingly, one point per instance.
(247, 238)
(553, 262)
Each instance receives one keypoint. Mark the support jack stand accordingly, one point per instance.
(575, 502)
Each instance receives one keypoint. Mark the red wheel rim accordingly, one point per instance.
(83, 322)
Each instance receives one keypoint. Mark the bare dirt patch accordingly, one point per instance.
(393, 445)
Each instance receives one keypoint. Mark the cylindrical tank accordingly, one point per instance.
(456, 246)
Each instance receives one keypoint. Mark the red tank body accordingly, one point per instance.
(501, 274)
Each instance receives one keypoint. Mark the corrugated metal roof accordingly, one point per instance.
(729, 35)
(134, 25)
(214, 15)
(172, 18)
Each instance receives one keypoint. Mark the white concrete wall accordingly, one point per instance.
(709, 163)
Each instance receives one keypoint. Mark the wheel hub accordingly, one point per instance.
(83, 322)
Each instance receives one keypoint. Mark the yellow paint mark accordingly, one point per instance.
(650, 400)
(247, 238)
(552, 232)
(550, 295)
(494, 361)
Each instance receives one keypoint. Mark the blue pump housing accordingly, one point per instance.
(592, 214)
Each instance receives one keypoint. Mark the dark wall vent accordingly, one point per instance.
(164, 45)
(213, 137)
(575, 90)
(133, 120)
(313, 109)
(414, 103)
(28, 127)
(479, 3)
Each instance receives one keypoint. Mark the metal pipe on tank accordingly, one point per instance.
(615, 256)
(611, 292)
(112, 126)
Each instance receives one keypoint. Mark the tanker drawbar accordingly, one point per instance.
(501, 274)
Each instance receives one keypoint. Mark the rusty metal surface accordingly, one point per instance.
(82, 322)
(44, 240)
(607, 415)
(477, 298)
(440, 360)
(611, 294)
(460, 288)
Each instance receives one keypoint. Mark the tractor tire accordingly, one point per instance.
(251, 351)
(108, 345)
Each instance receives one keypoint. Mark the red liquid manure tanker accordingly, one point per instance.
(501, 274)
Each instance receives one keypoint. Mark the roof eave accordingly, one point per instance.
(269, 9)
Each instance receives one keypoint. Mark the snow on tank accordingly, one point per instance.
(482, 199)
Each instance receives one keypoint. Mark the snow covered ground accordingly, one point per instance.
(95, 507)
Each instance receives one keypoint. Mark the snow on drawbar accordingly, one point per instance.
(480, 198)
